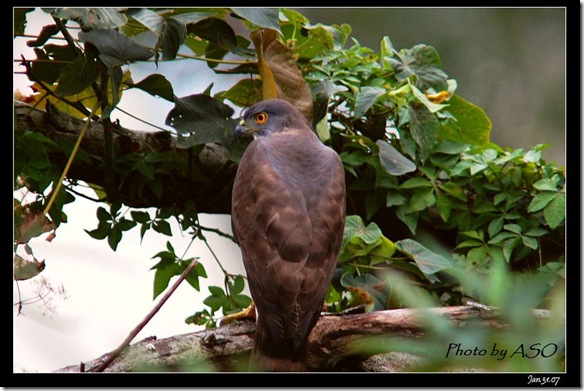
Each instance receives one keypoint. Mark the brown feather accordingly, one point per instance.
(288, 214)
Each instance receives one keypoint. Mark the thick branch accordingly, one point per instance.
(227, 348)
(58, 125)
(210, 190)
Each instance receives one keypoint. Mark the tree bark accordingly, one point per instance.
(210, 189)
(331, 343)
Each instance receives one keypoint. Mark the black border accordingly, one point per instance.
(571, 378)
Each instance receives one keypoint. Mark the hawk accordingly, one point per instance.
(288, 216)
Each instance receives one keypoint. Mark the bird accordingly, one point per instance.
(288, 217)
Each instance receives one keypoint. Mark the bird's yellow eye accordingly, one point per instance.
(261, 118)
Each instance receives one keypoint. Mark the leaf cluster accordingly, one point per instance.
(428, 193)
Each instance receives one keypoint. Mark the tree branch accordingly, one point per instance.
(330, 344)
(210, 196)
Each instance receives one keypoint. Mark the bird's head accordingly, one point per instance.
(269, 117)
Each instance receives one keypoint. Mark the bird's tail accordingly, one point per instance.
(285, 356)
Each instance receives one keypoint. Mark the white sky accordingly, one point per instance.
(109, 293)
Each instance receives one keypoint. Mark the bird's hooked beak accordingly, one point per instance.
(241, 130)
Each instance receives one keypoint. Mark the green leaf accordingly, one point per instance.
(323, 92)
(483, 206)
(242, 301)
(541, 200)
(200, 119)
(140, 216)
(422, 61)
(173, 36)
(444, 205)
(508, 247)
(355, 228)
(469, 243)
(508, 156)
(316, 38)
(220, 35)
(536, 231)
(237, 285)
(52, 59)
(156, 85)
(170, 248)
(322, 130)
(163, 275)
(410, 219)
(244, 93)
(530, 242)
(143, 229)
(124, 224)
(384, 250)
(454, 190)
(367, 98)
(294, 17)
(152, 20)
(267, 17)
(392, 161)
(114, 238)
(546, 184)
(478, 256)
(499, 197)
(163, 227)
(495, 226)
(479, 235)
(216, 291)
(93, 18)
(393, 199)
(193, 277)
(470, 124)
(477, 167)
(555, 212)
(101, 232)
(501, 237)
(428, 262)
(515, 228)
(386, 52)
(165, 257)
(415, 182)
(432, 107)
(532, 156)
(215, 302)
(198, 16)
(424, 127)
(115, 49)
(451, 147)
(420, 200)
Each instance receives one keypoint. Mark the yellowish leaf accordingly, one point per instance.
(280, 75)
(439, 97)
(86, 97)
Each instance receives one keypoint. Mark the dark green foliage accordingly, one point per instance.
(432, 204)
(171, 265)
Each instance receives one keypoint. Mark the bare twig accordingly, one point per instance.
(218, 232)
(115, 353)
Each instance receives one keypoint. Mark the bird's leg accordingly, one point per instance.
(247, 313)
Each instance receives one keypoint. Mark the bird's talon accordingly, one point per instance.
(247, 313)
